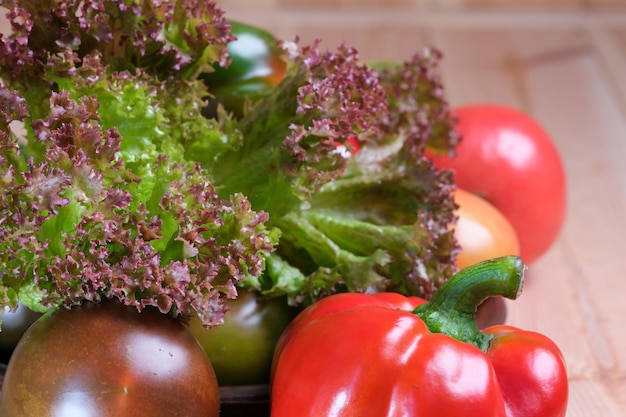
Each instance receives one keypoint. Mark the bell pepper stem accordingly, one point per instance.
(452, 309)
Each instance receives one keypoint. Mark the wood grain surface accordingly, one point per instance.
(568, 70)
(446, 5)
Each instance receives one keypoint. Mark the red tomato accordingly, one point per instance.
(481, 230)
(506, 157)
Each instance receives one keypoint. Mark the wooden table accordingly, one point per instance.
(569, 72)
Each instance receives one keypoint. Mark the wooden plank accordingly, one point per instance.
(470, 5)
(590, 399)
(605, 4)
(336, 4)
(392, 18)
(610, 46)
(487, 64)
(509, 5)
(580, 109)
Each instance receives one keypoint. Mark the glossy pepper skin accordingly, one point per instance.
(255, 69)
(349, 355)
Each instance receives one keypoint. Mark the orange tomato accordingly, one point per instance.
(482, 231)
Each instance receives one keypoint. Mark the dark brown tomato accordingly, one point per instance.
(107, 360)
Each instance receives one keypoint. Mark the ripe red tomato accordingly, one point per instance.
(506, 157)
(481, 230)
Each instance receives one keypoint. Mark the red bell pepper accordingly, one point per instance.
(361, 355)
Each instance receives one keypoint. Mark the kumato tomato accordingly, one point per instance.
(481, 230)
(508, 158)
(108, 360)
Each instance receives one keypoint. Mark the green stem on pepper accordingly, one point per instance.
(452, 308)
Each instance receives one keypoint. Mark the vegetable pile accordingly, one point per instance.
(116, 184)
(145, 159)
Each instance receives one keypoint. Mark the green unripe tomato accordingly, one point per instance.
(241, 349)
(256, 67)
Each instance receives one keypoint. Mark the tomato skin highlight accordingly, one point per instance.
(481, 230)
(506, 157)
